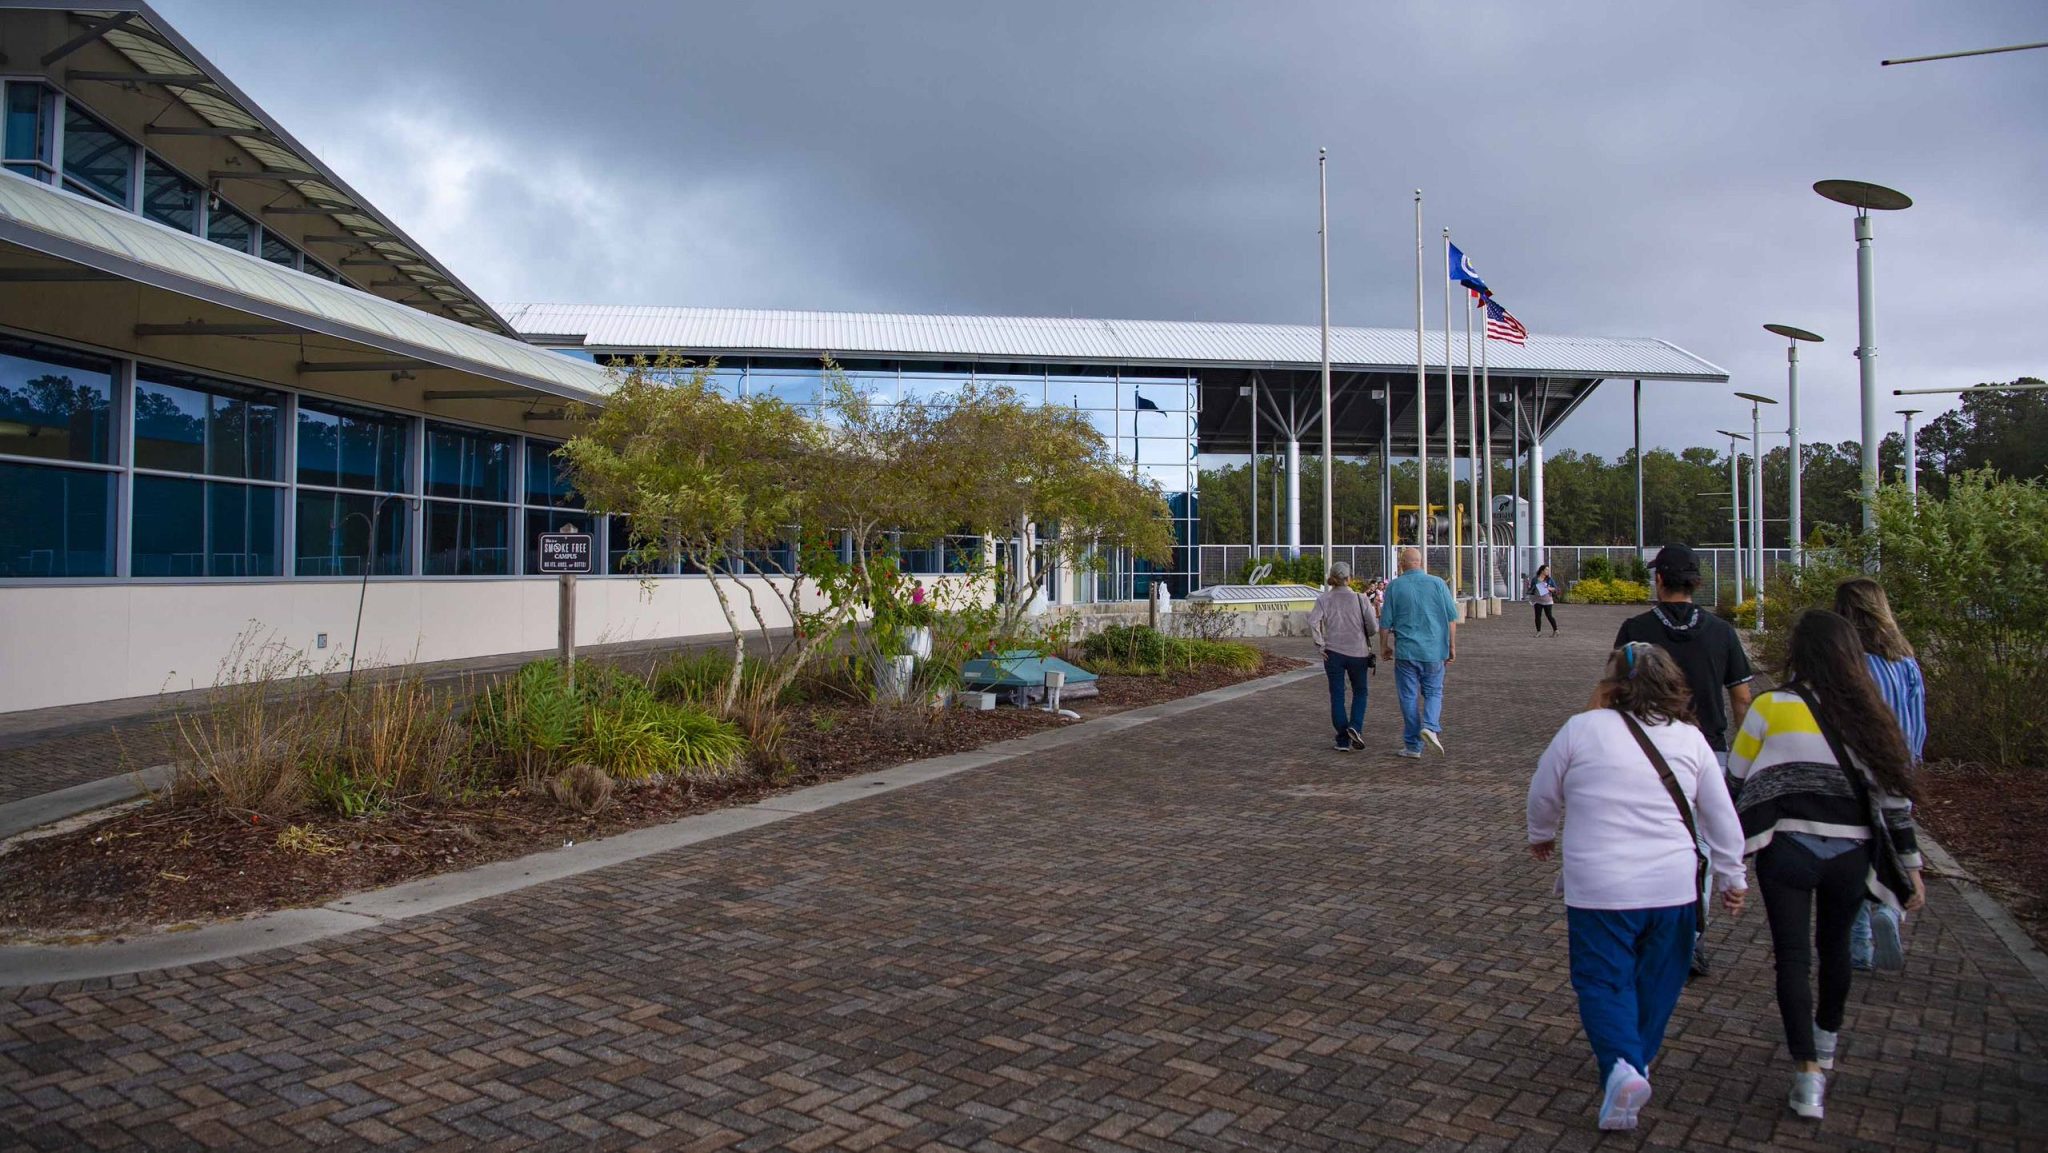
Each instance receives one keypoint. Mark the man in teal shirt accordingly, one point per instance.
(1419, 633)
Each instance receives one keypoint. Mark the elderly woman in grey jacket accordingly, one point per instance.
(1343, 624)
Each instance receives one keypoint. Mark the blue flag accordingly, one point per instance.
(1145, 405)
(1463, 272)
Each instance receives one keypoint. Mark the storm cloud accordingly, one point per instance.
(1621, 169)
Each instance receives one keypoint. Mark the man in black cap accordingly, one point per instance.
(1705, 647)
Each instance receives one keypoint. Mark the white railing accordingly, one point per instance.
(1225, 563)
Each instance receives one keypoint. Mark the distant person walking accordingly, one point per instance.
(1543, 594)
(1419, 633)
(1343, 624)
(1824, 783)
(1642, 791)
(1707, 650)
(1875, 940)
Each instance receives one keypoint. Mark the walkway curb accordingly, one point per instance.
(1994, 915)
(22, 965)
(46, 808)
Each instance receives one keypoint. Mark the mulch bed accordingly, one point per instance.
(1991, 819)
(157, 866)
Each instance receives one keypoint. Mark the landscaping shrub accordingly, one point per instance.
(1140, 650)
(1596, 568)
(1607, 590)
(536, 725)
(697, 678)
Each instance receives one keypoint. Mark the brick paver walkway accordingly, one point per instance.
(1205, 933)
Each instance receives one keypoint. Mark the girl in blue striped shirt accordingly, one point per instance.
(1875, 941)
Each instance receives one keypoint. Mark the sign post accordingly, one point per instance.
(567, 553)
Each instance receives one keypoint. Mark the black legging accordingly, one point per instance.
(1545, 611)
(1793, 881)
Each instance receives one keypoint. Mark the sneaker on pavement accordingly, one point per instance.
(1627, 1092)
(1411, 754)
(1700, 965)
(1357, 738)
(1824, 1047)
(1433, 741)
(1887, 948)
(1343, 744)
(1808, 1090)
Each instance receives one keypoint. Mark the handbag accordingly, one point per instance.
(1699, 880)
(1889, 872)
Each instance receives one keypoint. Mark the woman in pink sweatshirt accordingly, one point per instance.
(1638, 792)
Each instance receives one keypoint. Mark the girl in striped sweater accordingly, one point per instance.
(1811, 821)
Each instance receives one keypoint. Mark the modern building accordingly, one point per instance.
(237, 401)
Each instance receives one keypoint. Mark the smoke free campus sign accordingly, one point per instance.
(565, 552)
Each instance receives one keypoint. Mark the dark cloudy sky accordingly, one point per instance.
(1612, 168)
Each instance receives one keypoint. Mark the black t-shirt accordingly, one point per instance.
(1706, 649)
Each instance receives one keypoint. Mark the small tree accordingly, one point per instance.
(1044, 475)
(698, 474)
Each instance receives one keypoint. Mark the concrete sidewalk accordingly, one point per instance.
(1203, 933)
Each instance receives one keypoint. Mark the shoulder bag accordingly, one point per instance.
(1663, 768)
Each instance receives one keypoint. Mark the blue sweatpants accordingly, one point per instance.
(1628, 966)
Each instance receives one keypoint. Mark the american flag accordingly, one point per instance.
(1502, 325)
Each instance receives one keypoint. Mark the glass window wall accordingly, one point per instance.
(230, 229)
(55, 404)
(55, 522)
(192, 424)
(97, 162)
(168, 198)
(198, 528)
(340, 532)
(341, 446)
(31, 130)
(278, 250)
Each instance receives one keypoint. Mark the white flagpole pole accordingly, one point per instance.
(1421, 403)
(1472, 444)
(1450, 419)
(1329, 513)
(1486, 456)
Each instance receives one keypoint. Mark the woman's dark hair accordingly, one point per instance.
(1643, 681)
(1541, 569)
(1826, 657)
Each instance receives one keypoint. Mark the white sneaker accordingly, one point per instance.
(1627, 1092)
(1824, 1047)
(1808, 1090)
(1433, 741)
(1412, 754)
(1887, 947)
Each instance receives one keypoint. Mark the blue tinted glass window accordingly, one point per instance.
(31, 112)
(95, 160)
(468, 539)
(334, 535)
(227, 227)
(55, 522)
(277, 250)
(187, 423)
(169, 198)
(315, 268)
(618, 547)
(347, 447)
(795, 385)
(468, 464)
(198, 528)
(54, 403)
(547, 477)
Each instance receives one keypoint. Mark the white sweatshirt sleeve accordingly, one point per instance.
(1546, 788)
(1720, 827)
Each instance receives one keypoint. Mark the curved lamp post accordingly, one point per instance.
(1792, 338)
(1865, 198)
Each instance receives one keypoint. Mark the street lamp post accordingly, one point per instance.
(1864, 197)
(1796, 465)
(1912, 458)
(1735, 502)
(1756, 497)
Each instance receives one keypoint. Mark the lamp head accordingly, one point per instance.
(1861, 194)
(1732, 435)
(1794, 333)
(1755, 399)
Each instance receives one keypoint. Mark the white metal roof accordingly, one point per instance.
(1066, 339)
(73, 228)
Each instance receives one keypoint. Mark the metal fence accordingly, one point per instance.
(1225, 564)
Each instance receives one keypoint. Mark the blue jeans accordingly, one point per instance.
(1628, 967)
(1423, 680)
(1338, 668)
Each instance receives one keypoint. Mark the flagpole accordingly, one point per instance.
(1421, 405)
(1472, 444)
(1329, 513)
(1486, 454)
(1450, 423)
